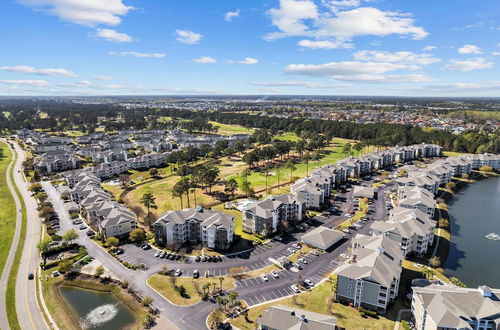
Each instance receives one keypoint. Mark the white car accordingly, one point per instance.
(295, 289)
(264, 277)
(178, 272)
(275, 274)
(347, 231)
(290, 250)
(296, 247)
(157, 254)
(304, 261)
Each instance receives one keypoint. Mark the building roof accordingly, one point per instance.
(362, 191)
(207, 217)
(322, 236)
(453, 307)
(287, 318)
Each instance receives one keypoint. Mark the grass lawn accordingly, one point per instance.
(316, 300)
(163, 285)
(62, 313)
(288, 136)
(225, 129)
(8, 210)
(454, 154)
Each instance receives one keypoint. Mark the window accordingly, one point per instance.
(349, 286)
(348, 293)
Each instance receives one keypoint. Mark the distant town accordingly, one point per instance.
(253, 212)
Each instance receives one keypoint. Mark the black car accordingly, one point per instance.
(31, 276)
(219, 258)
(209, 258)
(119, 251)
(177, 256)
(172, 257)
(197, 259)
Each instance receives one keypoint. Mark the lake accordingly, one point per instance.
(97, 310)
(475, 213)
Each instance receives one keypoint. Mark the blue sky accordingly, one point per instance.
(323, 47)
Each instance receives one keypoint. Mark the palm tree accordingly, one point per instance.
(148, 200)
(178, 191)
(221, 279)
(289, 165)
(206, 286)
(307, 158)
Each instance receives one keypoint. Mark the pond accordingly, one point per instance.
(97, 310)
(475, 232)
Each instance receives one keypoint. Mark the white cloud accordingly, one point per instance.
(402, 78)
(35, 83)
(83, 12)
(324, 44)
(405, 57)
(336, 5)
(139, 55)
(465, 86)
(303, 18)
(105, 78)
(476, 63)
(333, 69)
(113, 35)
(247, 61)
(469, 49)
(307, 84)
(429, 48)
(355, 71)
(188, 37)
(205, 59)
(228, 17)
(42, 72)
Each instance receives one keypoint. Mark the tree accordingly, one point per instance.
(435, 261)
(137, 235)
(307, 158)
(148, 200)
(112, 242)
(70, 236)
(43, 247)
(230, 186)
(451, 186)
(147, 301)
(221, 280)
(457, 282)
(182, 290)
(358, 147)
(246, 185)
(205, 287)
(289, 165)
(443, 223)
(217, 317)
(346, 149)
(99, 271)
(64, 266)
(486, 168)
(35, 187)
(153, 172)
(178, 191)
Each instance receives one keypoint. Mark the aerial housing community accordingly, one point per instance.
(369, 276)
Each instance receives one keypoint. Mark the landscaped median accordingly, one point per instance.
(320, 300)
(186, 291)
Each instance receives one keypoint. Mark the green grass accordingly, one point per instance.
(225, 129)
(8, 210)
(288, 136)
(316, 301)
(11, 285)
(163, 285)
(454, 153)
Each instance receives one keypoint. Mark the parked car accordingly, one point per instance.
(162, 254)
(309, 283)
(82, 227)
(196, 273)
(204, 258)
(90, 232)
(172, 257)
(31, 276)
(290, 250)
(157, 254)
(304, 261)
(298, 266)
(146, 247)
(264, 277)
(177, 256)
(119, 251)
(295, 289)
(347, 231)
(315, 252)
(197, 259)
(296, 246)
(178, 272)
(275, 274)
(219, 258)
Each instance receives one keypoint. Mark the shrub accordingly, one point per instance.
(405, 325)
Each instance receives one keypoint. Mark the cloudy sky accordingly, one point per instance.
(322, 47)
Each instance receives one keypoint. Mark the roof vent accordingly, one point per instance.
(199, 208)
